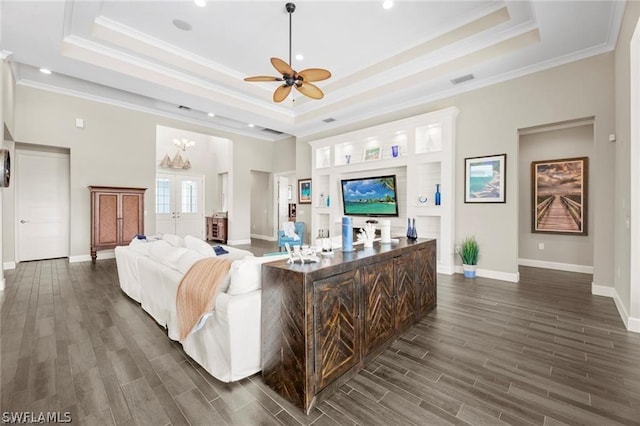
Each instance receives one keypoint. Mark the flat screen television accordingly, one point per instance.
(371, 196)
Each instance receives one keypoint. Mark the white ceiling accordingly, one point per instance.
(130, 53)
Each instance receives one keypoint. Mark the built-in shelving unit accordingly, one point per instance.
(425, 154)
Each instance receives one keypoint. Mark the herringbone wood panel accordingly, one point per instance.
(404, 291)
(335, 323)
(379, 306)
(543, 352)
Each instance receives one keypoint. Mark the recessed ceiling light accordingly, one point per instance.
(251, 125)
(387, 4)
(200, 3)
(299, 57)
(45, 71)
(211, 114)
(182, 25)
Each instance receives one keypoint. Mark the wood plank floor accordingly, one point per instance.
(542, 352)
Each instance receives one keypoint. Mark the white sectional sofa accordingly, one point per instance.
(228, 344)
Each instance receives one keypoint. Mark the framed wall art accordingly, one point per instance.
(559, 196)
(372, 153)
(304, 191)
(484, 179)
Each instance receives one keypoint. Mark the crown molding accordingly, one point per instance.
(467, 87)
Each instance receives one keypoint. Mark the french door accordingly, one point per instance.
(180, 204)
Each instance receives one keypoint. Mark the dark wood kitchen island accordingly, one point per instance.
(323, 322)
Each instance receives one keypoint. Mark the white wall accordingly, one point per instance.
(246, 157)
(284, 155)
(261, 204)
(570, 250)
(117, 147)
(627, 291)
(488, 124)
(303, 171)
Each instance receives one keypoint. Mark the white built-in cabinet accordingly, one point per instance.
(425, 158)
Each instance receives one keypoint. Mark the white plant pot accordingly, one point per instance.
(469, 270)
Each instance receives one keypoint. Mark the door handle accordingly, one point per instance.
(23, 221)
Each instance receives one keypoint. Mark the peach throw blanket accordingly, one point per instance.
(197, 291)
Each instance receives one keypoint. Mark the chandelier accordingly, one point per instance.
(183, 143)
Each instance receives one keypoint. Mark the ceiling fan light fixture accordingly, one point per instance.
(290, 77)
(299, 57)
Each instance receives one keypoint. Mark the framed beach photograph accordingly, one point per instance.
(304, 191)
(484, 179)
(559, 196)
(372, 153)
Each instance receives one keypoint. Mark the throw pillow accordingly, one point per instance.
(164, 253)
(246, 274)
(174, 240)
(188, 258)
(199, 246)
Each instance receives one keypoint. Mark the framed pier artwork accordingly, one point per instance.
(559, 196)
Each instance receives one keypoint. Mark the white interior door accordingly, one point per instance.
(283, 200)
(180, 205)
(42, 205)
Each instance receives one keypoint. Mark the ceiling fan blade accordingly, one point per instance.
(281, 93)
(282, 67)
(310, 90)
(314, 74)
(263, 78)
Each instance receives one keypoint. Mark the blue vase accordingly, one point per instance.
(414, 232)
(437, 197)
(408, 228)
(347, 234)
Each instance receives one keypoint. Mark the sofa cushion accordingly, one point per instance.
(246, 274)
(140, 246)
(174, 240)
(188, 258)
(165, 253)
(197, 245)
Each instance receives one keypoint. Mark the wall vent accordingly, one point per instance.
(462, 79)
(329, 120)
(273, 132)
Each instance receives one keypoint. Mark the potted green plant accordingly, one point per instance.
(468, 253)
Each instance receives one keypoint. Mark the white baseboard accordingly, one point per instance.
(631, 323)
(9, 265)
(601, 290)
(496, 275)
(103, 254)
(264, 237)
(634, 325)
(446, 270)
(238, 242)
(585, 269)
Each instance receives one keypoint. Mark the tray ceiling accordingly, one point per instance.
(133, 53)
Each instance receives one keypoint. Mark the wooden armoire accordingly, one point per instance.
(117, 215)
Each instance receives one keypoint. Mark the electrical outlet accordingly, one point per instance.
(540, 246)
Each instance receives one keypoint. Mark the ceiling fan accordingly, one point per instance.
(291, 78)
